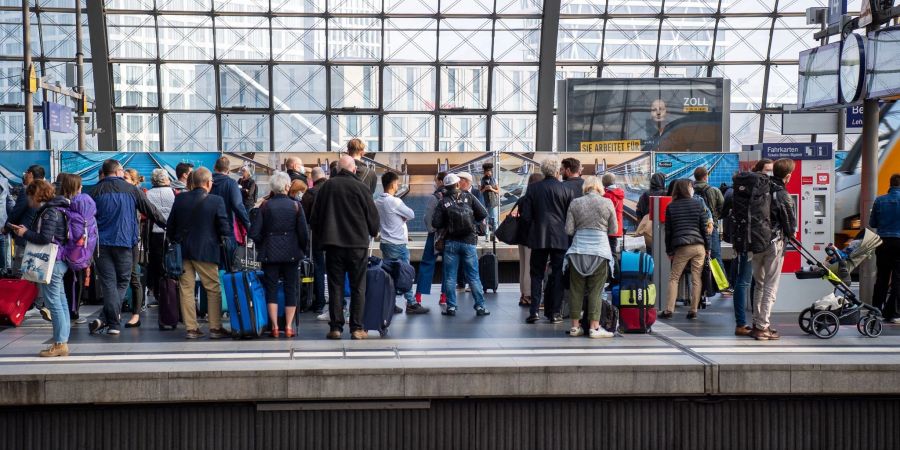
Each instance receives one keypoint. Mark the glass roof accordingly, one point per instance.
(403, 75)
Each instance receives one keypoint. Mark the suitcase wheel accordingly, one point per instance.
(383, 332)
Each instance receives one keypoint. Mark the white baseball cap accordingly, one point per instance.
(451, 179)
(466, 175)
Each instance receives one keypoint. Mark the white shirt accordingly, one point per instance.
(394, 214)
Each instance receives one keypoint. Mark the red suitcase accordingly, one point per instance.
(16, 296)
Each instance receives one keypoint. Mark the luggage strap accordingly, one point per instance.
(245, 276)
(237, 305)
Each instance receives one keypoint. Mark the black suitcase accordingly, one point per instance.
(380, 294)
(489, 270)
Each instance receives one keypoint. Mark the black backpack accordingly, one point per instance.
(460, 216)
(750, 213)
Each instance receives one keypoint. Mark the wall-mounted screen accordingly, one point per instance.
(819, 72)
(883, 64)
(656, 114)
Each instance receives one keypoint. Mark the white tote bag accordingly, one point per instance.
(38, 262)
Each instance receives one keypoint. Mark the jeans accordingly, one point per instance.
(555, 286)
(319, 280)
(352, 262)
(5, 260)
(766, 276)
(113, 274)
(399, 252)
(715, 246)
(289, 272)
(456, 253)
(426, 267)
(55, 299)
(743, 275)
(887, 262)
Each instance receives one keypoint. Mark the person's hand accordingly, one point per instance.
(514, 213)
(18, 230)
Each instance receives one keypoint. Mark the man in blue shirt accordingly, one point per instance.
(885, 218)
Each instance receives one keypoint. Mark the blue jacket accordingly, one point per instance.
(885, 215)
(228, 189)
(117, 206)
(198, 221)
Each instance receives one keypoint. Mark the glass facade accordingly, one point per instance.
(402, 75)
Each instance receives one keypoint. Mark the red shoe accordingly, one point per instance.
(289, 333)
(275, 332)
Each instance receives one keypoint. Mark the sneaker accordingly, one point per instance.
(333, 334)
(193, 334)
(449, 312)
(759, 335)
(324, 317)
(665, 315)
(397, 309)
(533, 318)
(443, 304)
(482, 311)
(895, 320)
(55, 350)
(556, 318)
(113, 332)
(600, 333)
(691, 315)
(95, 326)
(218, 333)
(359, 335)
(81, 320)
(416, 308)
(576, 331)
(45, 314)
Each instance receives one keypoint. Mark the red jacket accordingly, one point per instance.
(617, 196)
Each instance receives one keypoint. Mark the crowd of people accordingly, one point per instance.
(571, 231)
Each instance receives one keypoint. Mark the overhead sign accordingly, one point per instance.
(57, 117)
(854, 119)
(631, 145)
(797, 150)
(836, 9)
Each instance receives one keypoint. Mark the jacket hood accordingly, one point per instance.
(177, 184)
(58, 201)
(219, 178)
(658, 181)
(382, 196)
(616, 192)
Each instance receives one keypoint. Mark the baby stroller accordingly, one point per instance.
(824, 317)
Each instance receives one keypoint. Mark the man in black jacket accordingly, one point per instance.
(294, 168)
(344, 219)
(657, 189)
(318, 255)
(248, 188)
(767, 265)
(571, 175)
(543, 209)
(455, 216)
(199, 222)
(366, 173)
(228, 189)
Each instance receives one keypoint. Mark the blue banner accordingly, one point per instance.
(721, 166)
(57, 117)
(13, 164)
(797, 150)
(88, 164)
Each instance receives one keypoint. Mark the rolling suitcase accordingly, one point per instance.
(169, 304)
(246, 302)
(488, 269)
(380, 294)
(635, 295)
(16, 296)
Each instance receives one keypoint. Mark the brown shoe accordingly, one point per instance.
(359, 335)
(218, 333)
(333, 334)
(759, 335)
(773, 334)
(743, 330)
(55, 350)
(193, 334)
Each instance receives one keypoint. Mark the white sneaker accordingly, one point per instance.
(600, 333)
(576, 331)
(324, 317)
(895, 320)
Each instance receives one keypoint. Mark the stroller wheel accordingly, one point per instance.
(825, 324)
(873, 327)
(861, 325)
(805, 320)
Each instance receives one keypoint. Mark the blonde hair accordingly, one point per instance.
(592, 183)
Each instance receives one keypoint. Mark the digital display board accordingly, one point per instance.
(656, 114)
(819, 78)
(882, 63)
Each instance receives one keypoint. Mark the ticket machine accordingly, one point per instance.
(812, 188)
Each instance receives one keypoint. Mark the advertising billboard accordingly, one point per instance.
(657, 114)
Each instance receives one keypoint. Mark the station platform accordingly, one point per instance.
(432, 356)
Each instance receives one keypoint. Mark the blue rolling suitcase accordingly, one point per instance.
(246, 303)
(380, 294)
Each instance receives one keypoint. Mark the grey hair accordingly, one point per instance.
(317, 173)
(609, 179)
(550, 167)
(279, 183)
(592, 184)
(159, 177)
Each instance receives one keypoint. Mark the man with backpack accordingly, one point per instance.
(454, 218)
(429, 255)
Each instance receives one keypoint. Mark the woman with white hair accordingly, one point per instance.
(280, 234)
(162, 196)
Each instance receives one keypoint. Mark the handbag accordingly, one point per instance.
(38, 262)
(710, 288)
(172, 263)
(508, 231)
(645, 230)
(718, 274)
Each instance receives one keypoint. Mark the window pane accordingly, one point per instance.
(354, 38)
(686, 39)
(244, 86)
(682, 71)
(799, 6)
(517, 40)
(409, 133)
(11, 33)
(298, 6)
(627, 72)
(56, 72)
(410, 6)
(631, 39)
(185, 38)
(467, 6)
(705, 7)
(244, 6)
(354, 87)
(11, 84)
(587, 7)
(463, 134)
(355, 6)
(58, 35)
(410, 39)
(298, 87)
(744, 129)
(520, 6)
(344, 128)
(747, 6)
(409, 88)
(183, 5)
(190, 132)
(782, 85)
(298, 38)
(465, 40)
(579, 40)
(12, 130)
(791, 36)
(513, 133)
(245, 133)
(296, 132)
(142, 5)
(743, 38)
(634, 6)
(515, 88)
(135, 85)
(137, 132)
(188, 86)
(239, 37)
(464, 87)
(565, 72)
(746, 84)
(131, 36)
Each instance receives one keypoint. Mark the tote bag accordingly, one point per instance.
(38, 262)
